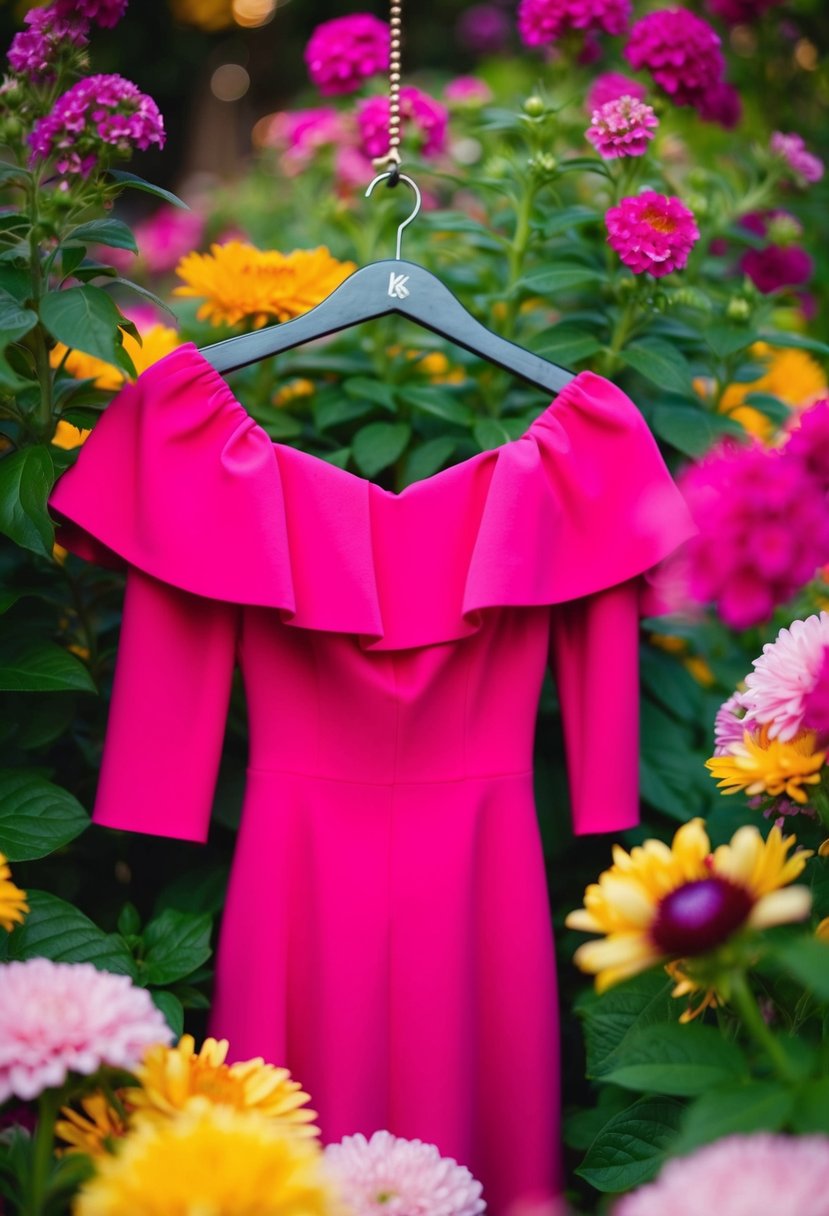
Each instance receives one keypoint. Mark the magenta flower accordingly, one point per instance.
(680, 50)
(806, 168)
(652, 233)
(808, 444)
(740, 1176)
(106, 13)
(721, 104)
(784, 677)
(816, 703)
(740, 12)
(428, 117)
(344, 52)
(543, 21)
(467, 91)
(483, 29)
(300, 134)
(387, 1174)
(166, 236)
(777, 266)
(57, 1018)
(35, 51)
(98, 114)
(612, 85)
(763, 531)
(623, 127)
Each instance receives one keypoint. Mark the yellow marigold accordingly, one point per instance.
(158, 341)
(662, 902)
(68, 436)
(171, 1077)
(822, 931)
(297, 390)
(13, 906)
(95, 1128)
(760, 765)
(791, 375)
(210, 1161)
(239, 282)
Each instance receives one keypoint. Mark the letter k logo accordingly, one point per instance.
(397, 285)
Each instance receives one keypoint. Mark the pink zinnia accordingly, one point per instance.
(740, 12)
(34, 51)
(98, 114)
(386, 1175)
(344, 52)
(468, 91)
(543, 21)
(808, 443)
(785, 675)
(166, 236)
(806, 167)
(763, 531)
(57, 1018)
(745, 1175)
(728, 724)
(623, 127)
(681, 51)
(652, 233)
(816, 703)
(721, 104)
(612, 85)
(777, 266)
(106, 13)
(427, 116)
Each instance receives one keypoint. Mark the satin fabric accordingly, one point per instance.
(386, 934)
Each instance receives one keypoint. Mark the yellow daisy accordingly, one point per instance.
(95, 1128)
(13, 906)
(662, 902)
(700, 996)
(158, 341)
(239, 282)
(171, 1077)
(210, 1161)
(760, 765)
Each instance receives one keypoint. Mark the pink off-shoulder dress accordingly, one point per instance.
(386, 933)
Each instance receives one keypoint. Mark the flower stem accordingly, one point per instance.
(37, 1183)
(745, 1004)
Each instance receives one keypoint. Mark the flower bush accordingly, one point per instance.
(615, 194)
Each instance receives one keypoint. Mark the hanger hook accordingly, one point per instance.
(403, 177)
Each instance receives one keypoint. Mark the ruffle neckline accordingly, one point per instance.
(180, 481)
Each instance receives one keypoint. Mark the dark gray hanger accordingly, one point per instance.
(375, 291)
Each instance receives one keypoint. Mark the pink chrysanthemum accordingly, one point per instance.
(721, 104)
(784, 675)
(740, 12)
(57, 1018)
(740, 1176)
(165, 237)
(106, 13)
(763, 531)
(34, 51)
(808, 444)
(728, 724)
(427, 116)
(97, 114)
(389, 1176)
(680, 50)
(344, 52)
(816, 703)
(777, 266)
(623, 127)
(468, 91)
(806, 167)
(652, 233)
(543, 21)
(300, 134)
(610, 86)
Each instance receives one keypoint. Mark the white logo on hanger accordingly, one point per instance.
(397, 285)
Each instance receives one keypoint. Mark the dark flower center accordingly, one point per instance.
(699, 916)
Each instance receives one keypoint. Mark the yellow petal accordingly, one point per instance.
(615, 951)
(781, 907)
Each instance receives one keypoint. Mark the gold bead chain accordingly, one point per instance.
(392, 160)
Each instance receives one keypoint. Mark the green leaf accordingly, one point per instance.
(361, 388)
(659, 362)
(134, 182)
(781, 337)
(583, 164)
(55, 929)
(83, 318)
(36, 817)
(610, 1021)
(811, 1109)
(430, 456)
(807, 960)
(175, 943)
(11, 175)
(172, 1008)
(631, 1146)
(438, 403)
(771, 406)
(281, 425)
(115, 234)
(378, 445)
(145, 294)
(42, 667)
(26, 480)
(566, 344)
(681, 1061)
(15, 321)
(567, 218)
(557, 278)
(755, 1106)
(332, 409)
(725, 340)
(693, 431)
(129, 920)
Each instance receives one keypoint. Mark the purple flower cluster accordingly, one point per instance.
(342, 53)
(623, 127)
(35, 50)
(428, 116)
(806, 167)
(106, 13)
(763, 523)
(740, 12)
(652, 233)
(95, 115)
(543, 21)
(682, 53)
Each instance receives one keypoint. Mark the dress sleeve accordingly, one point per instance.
(594, 652)
(168, 711)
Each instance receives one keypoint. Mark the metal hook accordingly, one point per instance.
(403, 177)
